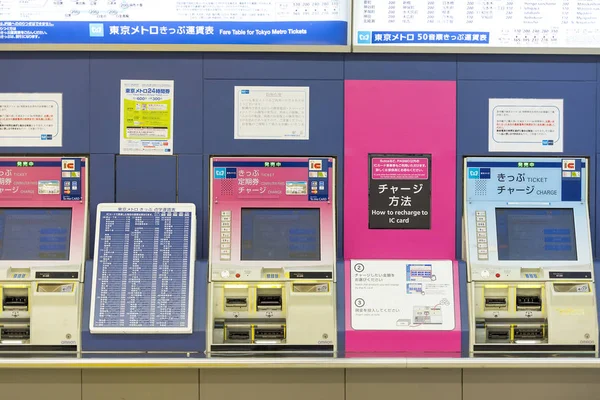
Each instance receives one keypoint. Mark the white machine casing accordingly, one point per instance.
(259, 306)
(527, 306)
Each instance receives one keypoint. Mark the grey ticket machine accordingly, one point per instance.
(529, 257)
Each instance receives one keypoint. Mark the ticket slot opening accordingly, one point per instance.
(15, 334)
(269, 299)
(15, 299)
(529, 299)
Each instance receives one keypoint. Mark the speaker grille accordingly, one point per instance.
(481, 188)
(226, 187)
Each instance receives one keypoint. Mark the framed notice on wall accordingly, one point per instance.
(311, 25)
(399, 191)
(474, 26)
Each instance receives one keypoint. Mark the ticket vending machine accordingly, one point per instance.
(43, 246)
(529, 255)
(272, 255)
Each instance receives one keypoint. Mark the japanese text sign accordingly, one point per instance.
(531, 180)
(399, 191)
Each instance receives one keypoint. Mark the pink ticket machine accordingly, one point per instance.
(272, 256)
(43, 230)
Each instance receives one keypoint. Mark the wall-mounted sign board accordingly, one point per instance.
(476, 26)
(265, 25)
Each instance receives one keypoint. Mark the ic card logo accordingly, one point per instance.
(568, 165)
(315, 165)
(68, 165)
(473, 173)
(220, 173)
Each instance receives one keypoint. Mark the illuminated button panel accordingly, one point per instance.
(225, 233)
(482, 239)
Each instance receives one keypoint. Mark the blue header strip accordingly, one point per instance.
(421, 37)
(308, 33)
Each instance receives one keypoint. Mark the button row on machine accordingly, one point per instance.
(225, 235)
(482, 242)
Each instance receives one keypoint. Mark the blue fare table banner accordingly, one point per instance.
(482, 26)
(105, 23)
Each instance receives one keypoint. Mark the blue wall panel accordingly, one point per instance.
(526, 68)
(326, 128)
(400, 67)
(190, 175)
(146, 179)
(101, 188)
(204, 111)
(273, 66)
(66, 73)
(579, 121)
(106, 72)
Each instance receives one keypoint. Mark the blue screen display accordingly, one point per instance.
(35, 233)
(536, 234)
(281, 234)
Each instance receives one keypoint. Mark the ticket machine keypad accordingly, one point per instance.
(482, 240)
(225, 231)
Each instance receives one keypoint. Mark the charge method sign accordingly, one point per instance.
(400, 191)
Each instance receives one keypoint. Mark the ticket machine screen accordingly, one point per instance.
(35, 233)
(281, 234)
(536, 234)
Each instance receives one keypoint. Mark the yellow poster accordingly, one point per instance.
(147, 117)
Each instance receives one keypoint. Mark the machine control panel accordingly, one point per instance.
(272, 218)
(527, 219)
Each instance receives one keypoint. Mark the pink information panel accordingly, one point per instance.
(402, 286)
(272, 218)
(50, 193)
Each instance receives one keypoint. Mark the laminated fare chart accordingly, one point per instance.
(143, 275)
(258, 22)
(483, 23)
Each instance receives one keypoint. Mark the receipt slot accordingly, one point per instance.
(272, 255)
(529, 256)
(43, 231)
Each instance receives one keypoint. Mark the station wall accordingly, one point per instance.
(203, 121)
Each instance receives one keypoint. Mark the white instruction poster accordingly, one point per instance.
(402, 295)
(526, 125)
(31, 119)
(271, 113)
(147, 117)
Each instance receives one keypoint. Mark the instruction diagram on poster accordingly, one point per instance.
(31, 119)
(402, 295)
(526, 125)
(147, 117)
